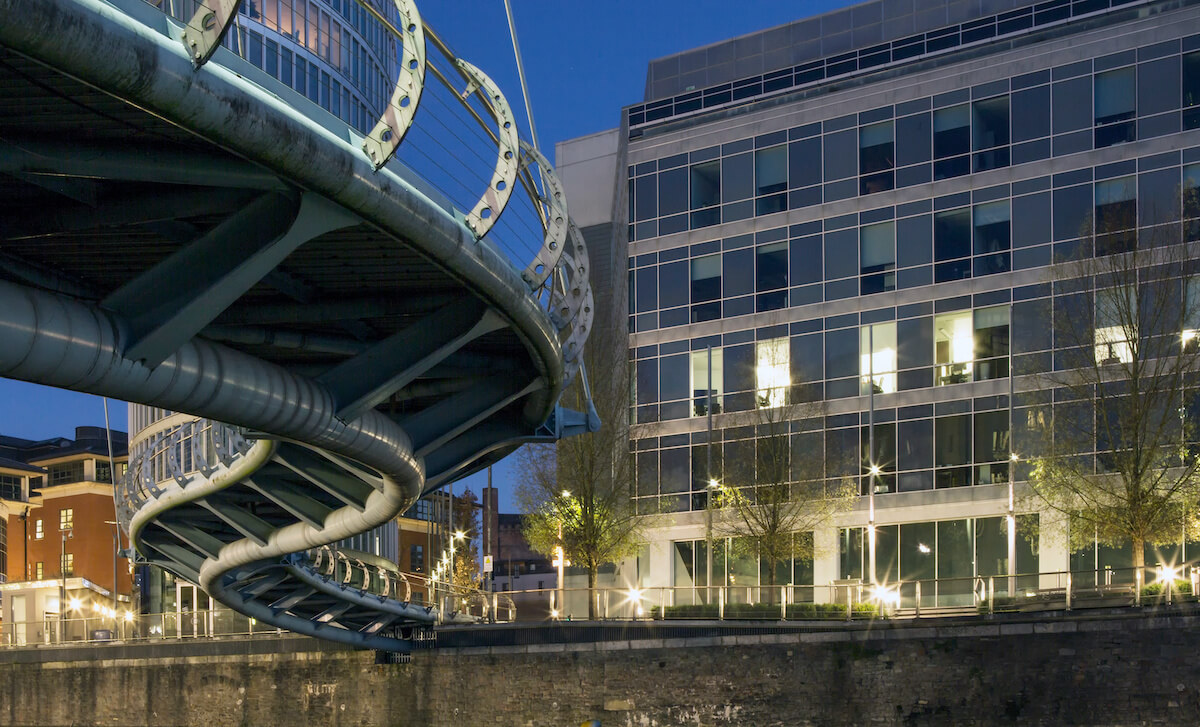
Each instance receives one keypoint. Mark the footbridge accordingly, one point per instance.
(319, 333)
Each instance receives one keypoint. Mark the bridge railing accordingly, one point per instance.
(103, 626)
(853, 598)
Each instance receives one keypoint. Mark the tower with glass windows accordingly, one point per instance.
(865, 209)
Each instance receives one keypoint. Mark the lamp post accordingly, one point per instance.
(62, 588)
(873, 472)
(561, 560)
(1013, 458)
(708, 544)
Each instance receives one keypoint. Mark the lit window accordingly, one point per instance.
(39, 570)
(68, 565)
(39, 530)
(772, 373)
(1116, 324)
(1191, 311)
(700, 381)
(66, 518)
(878, 357)
(954, 346)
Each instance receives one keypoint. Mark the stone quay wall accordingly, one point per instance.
(1112, 668)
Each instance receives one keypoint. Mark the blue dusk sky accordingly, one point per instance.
(583, 62)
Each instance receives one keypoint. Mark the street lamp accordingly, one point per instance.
(713, 486)
(1013, 458)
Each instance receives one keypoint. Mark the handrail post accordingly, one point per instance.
(991, 595)
(917, 614)
(1068, 591)
(721, 603)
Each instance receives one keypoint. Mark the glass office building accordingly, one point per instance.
(865, 206)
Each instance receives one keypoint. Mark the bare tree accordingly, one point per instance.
(772, 493)
(577, 493)
(1115, 452)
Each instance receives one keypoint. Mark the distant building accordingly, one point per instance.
(60, 537)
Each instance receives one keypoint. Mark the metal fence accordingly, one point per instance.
(854, 599)
(840, 600)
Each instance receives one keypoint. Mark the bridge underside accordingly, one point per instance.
(178, 238)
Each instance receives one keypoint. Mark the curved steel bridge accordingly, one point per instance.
(333, 338)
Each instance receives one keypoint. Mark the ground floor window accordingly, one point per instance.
(948, 557)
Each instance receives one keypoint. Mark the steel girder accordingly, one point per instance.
(304, 457)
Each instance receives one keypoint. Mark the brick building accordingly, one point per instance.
(57, 496)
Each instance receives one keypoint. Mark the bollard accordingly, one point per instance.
(918, 602)
(1068, 591)
(721, 603)
(991, 594)
(1137, 587)
(849, 602)
(783, 603)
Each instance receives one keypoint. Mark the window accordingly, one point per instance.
(68, 564)
(877, 257)
(952, 451)
(39, 570)
(103, 473)
(876, 158)
(673, 191)
(1191, 311)
(770, 179)
(952, 245)
(772, 372)
(1116, 324)
(992, 238)
(991, 343)
(1191, 90)
(737, 177)
(1115, 103)
(66, 518)
(643, 198)
(62, 474)
(416, 558)
(878, 359)
(1116, 215)
(953, 344)
(706, 288)
(989, 133)
(10, 487)
(771, 272)
(991, 447)
(706, 193)
(700, 381)
(951, 141)
(39, 530)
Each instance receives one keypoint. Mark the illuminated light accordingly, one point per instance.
(459, 535)
(1189, 334)
(1014, 457)
(129, 616)
(1167, 574)
(923, 548)
(874, 469)
(886, 596)
(554, 613)
(713, 484)
(566, 493)
(74, 604)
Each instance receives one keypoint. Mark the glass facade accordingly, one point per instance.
(893, 265)
(331, 51)
(1142, 94)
